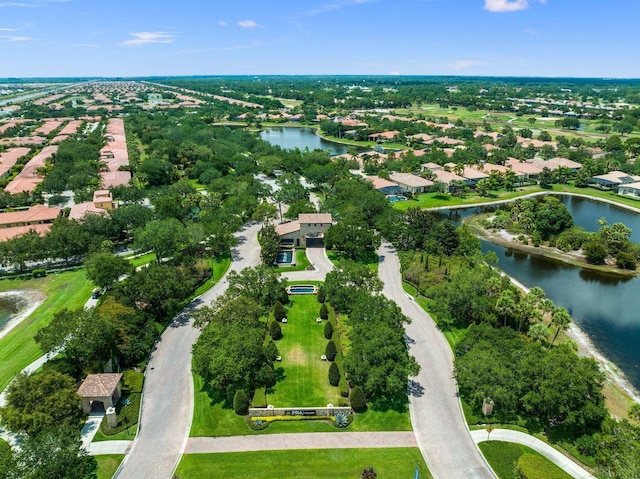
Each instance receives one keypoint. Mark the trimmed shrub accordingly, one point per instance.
(39, 273)
(368, 473)
(334, 374)
(275, 331)
(330, 351)
(271, 350)
(324, 312)
(344, 390)
(328, 330)
(358, 401)
(259, 397)
(321, 295)
(625, 260)
(241, 402)
(278, 311)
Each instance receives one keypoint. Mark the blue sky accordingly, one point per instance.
(558, 38)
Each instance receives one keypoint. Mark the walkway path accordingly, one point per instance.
(438, 423)
(537, 445)
(167, 406)
(313, 440)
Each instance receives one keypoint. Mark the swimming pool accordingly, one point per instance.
(395, 198)
(302, 289)
(286, 257)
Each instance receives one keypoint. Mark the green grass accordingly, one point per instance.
(504, 457)
(64, 290)
(301, 262)
(108, 464)
(142, 260)
(310, 464)
(304, 376)
(219, 266)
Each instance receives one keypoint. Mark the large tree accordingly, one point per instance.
(262, 284)
(104, 269)
(40, 401)
(348, 282)
(269, 241)
(165, 238)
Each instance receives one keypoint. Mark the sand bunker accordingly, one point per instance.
(26, 301)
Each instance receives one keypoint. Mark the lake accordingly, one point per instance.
(290, 138)
(10, 304)
(607, 308)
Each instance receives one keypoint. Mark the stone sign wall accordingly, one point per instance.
(299, 411)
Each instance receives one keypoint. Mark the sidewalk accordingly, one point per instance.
(537, 445)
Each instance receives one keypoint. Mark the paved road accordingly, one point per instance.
(167, 406)
(318, 258)
(536, 444)
(438, 423)
(313, 440)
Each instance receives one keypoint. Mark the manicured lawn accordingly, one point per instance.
(325, 463)
(303, 376)
(108, 464)
(219, 267)
(142, 260)
(70, 290)
(504, 458)
(301, 262)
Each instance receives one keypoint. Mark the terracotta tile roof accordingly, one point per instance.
(523, 167)
(380, 182)
(80, 210)
(411, 180)
(35, 214)
(48, 127)
(447, 177)
(490, 167)
(115, 178)
(28, 178)
(8, 233)
(99, 385)
(286, 228)
(10, 157)
(473, 173)
(431, 166)
(315, 218)
(617, 177)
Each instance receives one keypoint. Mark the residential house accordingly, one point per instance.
(612, 180)
(409, 183)
(384, 186)
(37, 218)
(101, 204)
(307, 230)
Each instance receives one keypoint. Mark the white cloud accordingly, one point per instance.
(86, 45)
(459, 65)
(15, 38)
(144, 38)
(247, 24)
(531, 31)
(20, 5)
(8, 29)
(505, 5)
(222, 23)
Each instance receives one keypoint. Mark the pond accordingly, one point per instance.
(293, 137)
(15, 306)
(607, 308)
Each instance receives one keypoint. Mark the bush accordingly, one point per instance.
(241, 402)
(626, 260)
(321, 295)
(39, 273)
(324, 312)
(344, 390)
(328, 330)
(267, 377)
(536, 239)
(271, 350)
(595, 252)
(278, 311)
(275, 331)
(330, 351)
(259, 397)
(368, 473)
(334, 374)
(358, 401)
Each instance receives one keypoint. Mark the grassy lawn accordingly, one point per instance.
(313, 463)
(301, 262)
(142, 260)
(303, 376)
(504, 457)
(70, 290)
(108, 464)
(219, 266)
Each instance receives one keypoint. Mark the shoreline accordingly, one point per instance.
(587, 348)
(34, 299)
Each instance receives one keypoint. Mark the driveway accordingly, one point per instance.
(436, 416)
(318, 258)
(167, 405)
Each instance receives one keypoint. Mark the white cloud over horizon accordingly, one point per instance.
(247, 24)
(501, 6)
(145, 38)
(15, 38)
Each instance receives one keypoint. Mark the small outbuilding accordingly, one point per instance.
(104, 388)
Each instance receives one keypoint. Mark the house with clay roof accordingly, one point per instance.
(37, 218)
(101, 204)
(103, 388)
(524, 168)
(307, 230)
(612, 180)
(413, 184)
(384, 186)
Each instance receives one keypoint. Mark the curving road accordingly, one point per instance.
(438, 423)
(167, 407)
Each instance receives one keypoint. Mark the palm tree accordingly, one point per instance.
(562, 319)
(538, 333)
(506, 305)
